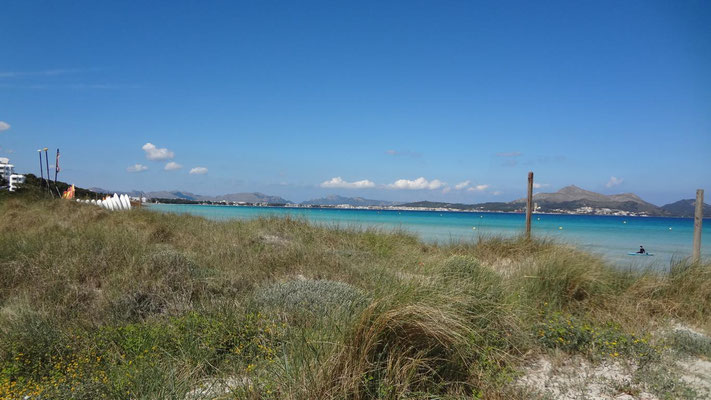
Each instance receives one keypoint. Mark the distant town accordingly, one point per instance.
(536, 208)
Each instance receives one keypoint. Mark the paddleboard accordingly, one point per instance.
(116, 202)
(640, 254)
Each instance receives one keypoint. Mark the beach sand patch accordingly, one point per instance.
(576, 378)
(220, 388)
(697, 374)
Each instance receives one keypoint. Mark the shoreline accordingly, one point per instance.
(415, 209)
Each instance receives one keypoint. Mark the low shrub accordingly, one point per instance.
(689, 344)
(151, 359)
(574, 335)
(310, 298)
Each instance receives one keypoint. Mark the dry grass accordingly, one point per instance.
(284, 309)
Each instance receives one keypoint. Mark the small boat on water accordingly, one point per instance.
(640, 254)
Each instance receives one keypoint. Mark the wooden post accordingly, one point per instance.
(56, 168)
(698, 219)
(46, 159)
(529, 205)
(41, 168)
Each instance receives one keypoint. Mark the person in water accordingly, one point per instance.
(641, 250)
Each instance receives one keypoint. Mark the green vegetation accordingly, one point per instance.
(572, 335)
(35, 188)
(691, 344)
(146, 305)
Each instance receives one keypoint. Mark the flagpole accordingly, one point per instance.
(46, 159)
(39, 151)
(56, 170)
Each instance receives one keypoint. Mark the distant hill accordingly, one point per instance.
(500, 206)
(255, 197)
(434, 204)
(174, 195)
(573, 197)
(335, 200)
(685, 208)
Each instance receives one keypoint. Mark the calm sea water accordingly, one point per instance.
(610, 236)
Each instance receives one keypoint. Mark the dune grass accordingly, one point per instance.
(141, 304)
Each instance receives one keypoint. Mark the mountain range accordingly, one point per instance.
(569, 198)
(685, 208)
(573, 197)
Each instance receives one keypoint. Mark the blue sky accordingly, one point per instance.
(304, 99)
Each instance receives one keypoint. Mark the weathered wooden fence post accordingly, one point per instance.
(698, 220)
(529, 205)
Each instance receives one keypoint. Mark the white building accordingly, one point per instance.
(7, 171)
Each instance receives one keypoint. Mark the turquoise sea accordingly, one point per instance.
(610, 236)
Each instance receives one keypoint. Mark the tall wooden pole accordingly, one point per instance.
(46, 159)
(41, 167)
(529, 205)
(56, 168)
(698, 220)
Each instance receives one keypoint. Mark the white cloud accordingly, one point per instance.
(496, 193)
(478, 188)
(338, 182)
(4, 126)
(509, 154)
(198, 171)
(172, 166)
(154, 153)
(136, 168)
(419, 183)
(614, 181)
(540, 185)
(446, 190)
(462, 185)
